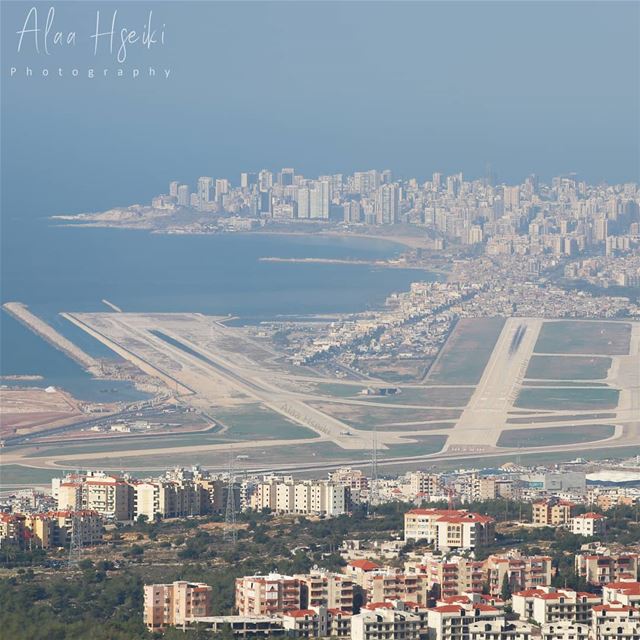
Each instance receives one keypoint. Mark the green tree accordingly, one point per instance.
(506, 591)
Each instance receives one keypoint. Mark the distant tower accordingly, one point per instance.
(76, 542)
(230, 532)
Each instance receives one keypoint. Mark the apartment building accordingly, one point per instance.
(12, 528)
(447, 577)
(389, 584)
(521, 572)
(552, 512)
(325, 588)
(167, 498)
(602, 567)
(240, 627)
(452, 621)
(449, 529)
(500, 630)
(317, 622)
(589, 525)
(565, 630)
(611, 615)
(51, 529)
(548, 605)
(173, 604)
(385, 622)
(626, 592)
(618, 631)
(306, 497)
(87, 525)
(356, 569)
(355, 479)
(425, 484)
(268, 595)
(111, 496)
(40, 530)
(491, 488)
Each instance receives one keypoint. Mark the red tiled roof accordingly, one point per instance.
(365, 565)
(300, 613)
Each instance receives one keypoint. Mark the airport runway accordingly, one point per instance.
(482, 421)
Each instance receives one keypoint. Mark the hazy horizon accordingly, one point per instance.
(324, 87)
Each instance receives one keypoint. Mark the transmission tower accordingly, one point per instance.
(230, 532)
(373, 491)
(76, 542)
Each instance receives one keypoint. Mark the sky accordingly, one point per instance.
(416, 87)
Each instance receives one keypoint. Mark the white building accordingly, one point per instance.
(589, 525)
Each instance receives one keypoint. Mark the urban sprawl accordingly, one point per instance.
(512, 553)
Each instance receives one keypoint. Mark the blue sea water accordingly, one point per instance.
(54, 269)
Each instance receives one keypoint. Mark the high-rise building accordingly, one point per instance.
(173, 188)
(511, 196)
(352, 211)
(319, 199)
(387, 204)
(222, 188)
(184, 195)
(204, 190)
(304, 202)
(601, 229)
(286, 177)
(265, 180)
(248, 180)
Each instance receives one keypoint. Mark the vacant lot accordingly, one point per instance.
(428, 396)
(424, 445)
(253, 422)
(466, 352)
(362, 417)
(572, 368)
(555, 435)
(574, 336)
(567, 399)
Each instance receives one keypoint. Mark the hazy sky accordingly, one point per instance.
(416, 87)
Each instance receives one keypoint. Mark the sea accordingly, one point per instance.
(53, 268)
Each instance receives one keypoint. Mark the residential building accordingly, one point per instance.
(449, 529)
(602, 567)
(608, 616)
(174, 604)
(452, 575)
(589, 525)
(546, 605)
(425, 484)
(12, 529)
(521, 572)
(270, 594)
(500, 630)
(385, 622)
(306, 497)
(565, 630)
(111, 496)
(317, 622)
(452, 621)
(626, 592)
(552, 512)
(325, 588)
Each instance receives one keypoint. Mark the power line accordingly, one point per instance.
(373, 491)
(230, 532)
(77, 541)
